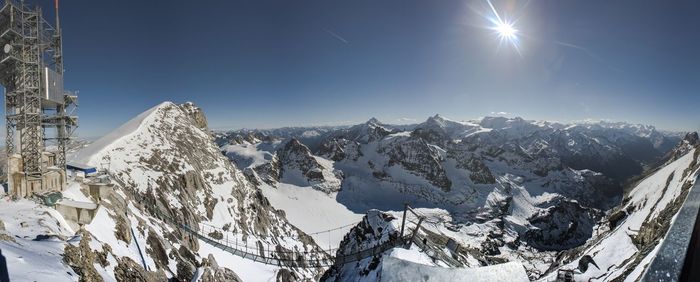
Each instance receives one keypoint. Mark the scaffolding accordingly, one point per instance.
(31, 70)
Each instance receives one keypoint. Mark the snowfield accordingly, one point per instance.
(486, 192)
(398, 270)
(29, 259)
(313, 211)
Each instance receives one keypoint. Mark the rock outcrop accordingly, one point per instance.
(166, 161)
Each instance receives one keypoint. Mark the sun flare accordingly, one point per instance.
(506, 30)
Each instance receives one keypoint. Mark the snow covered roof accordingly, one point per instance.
(394, 269)
(82, 167)
(76, 204)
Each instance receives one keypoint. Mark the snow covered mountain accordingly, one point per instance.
(165, 160)
(505, 188)
(629, 237)
(302, 184)
(621, 244)
(538, 195)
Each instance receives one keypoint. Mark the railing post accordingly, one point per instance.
(415, 231)
(403, 222)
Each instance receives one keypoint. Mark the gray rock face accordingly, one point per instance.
(374, 229)
(171, 163)
(512, 177)
(479, 172)
(370, 131)
(340, 149)
(417, 157)
(692, 138)
(295, 155)
(82, 258)
(296, 160)
(196, 114)
(562, 226)
(213, 273)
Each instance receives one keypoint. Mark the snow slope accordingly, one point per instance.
(86, 155)
(313, 211)
(396, 270)
(162, 158)
(625, 251)
(29, 259)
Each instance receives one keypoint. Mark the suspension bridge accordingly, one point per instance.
(319, 258)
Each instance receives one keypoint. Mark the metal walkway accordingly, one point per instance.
(310, 259)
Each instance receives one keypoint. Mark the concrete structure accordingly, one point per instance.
(78, 212)
(53, 178)
(99, 191)
(37, 109)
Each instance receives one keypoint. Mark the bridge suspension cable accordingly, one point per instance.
(317, 258)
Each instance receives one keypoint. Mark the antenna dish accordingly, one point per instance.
(7, 48)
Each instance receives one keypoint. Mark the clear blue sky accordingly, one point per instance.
(279, 63)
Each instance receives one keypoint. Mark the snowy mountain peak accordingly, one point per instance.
(692, 138)
(504, 122)
(443, 121)
(87, 155)
(168, 160)
(373, 121)
(196, 114)
(437, 120)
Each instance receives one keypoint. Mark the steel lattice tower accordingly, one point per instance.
(31, 70)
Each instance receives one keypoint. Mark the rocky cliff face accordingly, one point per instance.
(299, 165)
(370, 131)
(272, 160)
(196, 114)
(625, 240)
(166, 160)
(562, 226)
(418, 157)
(338, 150)
(374, 229)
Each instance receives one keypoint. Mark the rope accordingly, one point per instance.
(334, 229)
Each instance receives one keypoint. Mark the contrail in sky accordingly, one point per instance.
(587, 52)
(336, 36)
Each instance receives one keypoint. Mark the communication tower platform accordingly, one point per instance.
(38, 110)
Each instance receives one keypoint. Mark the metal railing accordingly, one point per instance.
(678, 258)
(314, 259)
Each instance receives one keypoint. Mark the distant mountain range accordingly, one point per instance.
(540, 195)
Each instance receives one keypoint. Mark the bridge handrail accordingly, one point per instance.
(675, 255)
(273, 257)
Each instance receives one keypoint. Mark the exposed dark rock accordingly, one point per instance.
(480, 173)
(213, 273)
(185, 271)
(155, 249)
(284, 275)
(418, 157)
(81, 258)
(122, 230)
(128, 270)
(196, 114)
(562, 226)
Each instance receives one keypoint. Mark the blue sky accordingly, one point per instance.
(281, 63)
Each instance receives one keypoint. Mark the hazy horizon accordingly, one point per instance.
(406, 121)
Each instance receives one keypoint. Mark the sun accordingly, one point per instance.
(506, 30)
(507, 34)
